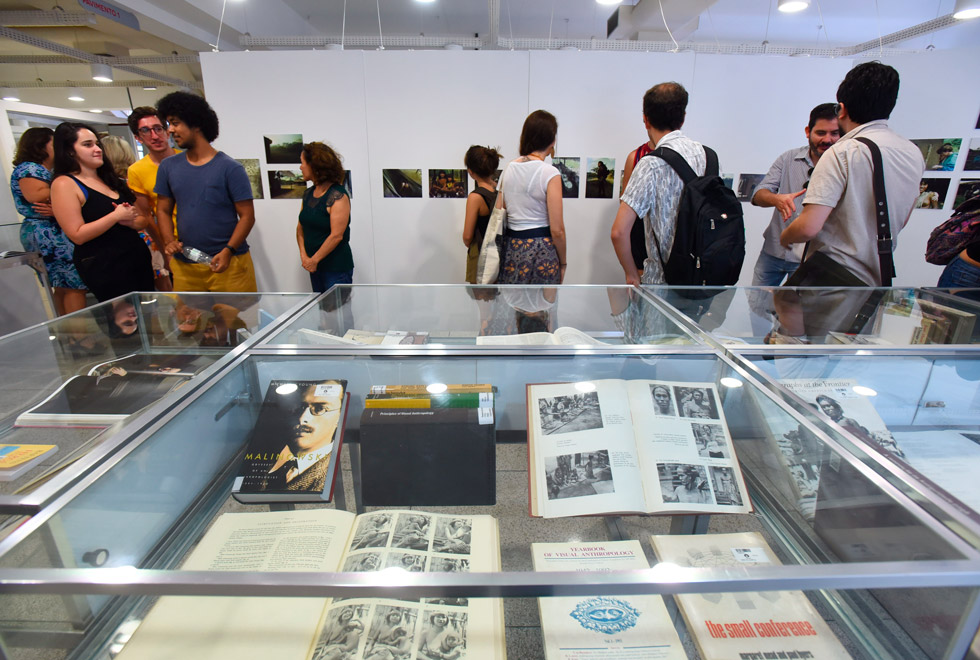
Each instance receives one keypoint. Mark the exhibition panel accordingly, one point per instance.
(136, 549)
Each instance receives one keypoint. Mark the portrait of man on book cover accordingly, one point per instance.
(302, 463)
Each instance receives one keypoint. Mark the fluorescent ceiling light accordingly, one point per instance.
(425, 2)
(8, 94)
(790, 6)
(101, 72)
(608, 2)
(966, 9)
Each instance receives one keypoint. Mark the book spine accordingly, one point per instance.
(455, 400)
(423, 389)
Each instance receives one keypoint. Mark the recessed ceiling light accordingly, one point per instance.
(864, 391)
(286, 388)
(150, 88)
(964, 9)
(425, 2)
(95, 110)
(791, 6)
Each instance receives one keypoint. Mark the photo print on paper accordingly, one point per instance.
(449, 565)
(372, 532)
(968, 189)
(569, 168)
(402, 183)
(283, 149)
(932, 193)
(939, 154)
(344, 626)
(682, 483)
(571, 412)
(710, 440)
(363, 562)
(412, 531)
(346, 183)
(728, 179)
(599, 178)
(286, 184)
(746, 184)
(443, 635)
(453, 535)
(251, 166)
(392, 632)
(578, 475)
(663, 403)
(407, 561)
(725, 487)
(696, 402)
(447, 184)
(973, 156)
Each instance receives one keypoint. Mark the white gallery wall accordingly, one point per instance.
(423, 109)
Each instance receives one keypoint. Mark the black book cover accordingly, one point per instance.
(294, 450)
(428, 457)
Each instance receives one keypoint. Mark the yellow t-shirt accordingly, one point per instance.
(142, 177)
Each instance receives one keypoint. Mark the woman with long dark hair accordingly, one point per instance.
(30, 184)
(323, 232)
(94, 208)
(481, 164)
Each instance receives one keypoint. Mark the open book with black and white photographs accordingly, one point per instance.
(637, 446)
(561, 336)
(328, 540)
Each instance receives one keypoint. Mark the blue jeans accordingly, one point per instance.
(959, 273)
(324, 279)
(771, 271)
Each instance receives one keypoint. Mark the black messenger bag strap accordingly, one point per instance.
(886, 261)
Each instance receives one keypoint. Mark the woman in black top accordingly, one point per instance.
(95, 210)
(481, 163)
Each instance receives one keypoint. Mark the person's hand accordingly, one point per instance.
(309, 264)
(125, 214)
(172, 248)
(633, 280)
(221, 261)
(43, 209)
(785, 204)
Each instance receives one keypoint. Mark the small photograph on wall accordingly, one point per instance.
(746, 184)
(728, 179)
(402, 183)
(569, 168)
(283, 149)
(251, 166)
(347, 185)
(622, 182)
(968, 189)
(449, 184)
(496, 176)
(939, 154)
(600, 177)
(973, 156)
(286, 184)
(932, 193)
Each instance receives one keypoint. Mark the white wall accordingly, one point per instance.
(405, 109)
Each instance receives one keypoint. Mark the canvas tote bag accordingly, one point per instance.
(492, 252)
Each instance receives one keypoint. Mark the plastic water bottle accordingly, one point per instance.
(195, 255)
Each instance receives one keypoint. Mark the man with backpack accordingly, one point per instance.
(692, 221)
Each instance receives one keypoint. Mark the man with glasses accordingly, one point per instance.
(302, 463)
(151, 132)
(786, 181)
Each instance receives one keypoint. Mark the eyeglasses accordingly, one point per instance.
(145, 131)
(317, 408)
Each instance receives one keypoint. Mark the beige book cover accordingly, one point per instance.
(601, 627)
(745, 624)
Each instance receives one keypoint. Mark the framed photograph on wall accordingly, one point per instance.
(569, 168)
(402, 183)
(967, 189)
(447, 184)
(973, 156)
(283, 149)
(286, 184)
(940, 154)
(932, 193)
(599, 178)
(746, 184)
(251, 166)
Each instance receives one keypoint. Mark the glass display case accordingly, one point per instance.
(66, 383)
(842, 550)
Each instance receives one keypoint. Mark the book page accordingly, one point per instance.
(683, 442)
(417, 542)
(950, 459)
(571, 336)
(745, 624)
(599, 627)
(230, 628)
(583, 456)
(526, 339)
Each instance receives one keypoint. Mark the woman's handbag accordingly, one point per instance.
(494, 242)
(953, 236)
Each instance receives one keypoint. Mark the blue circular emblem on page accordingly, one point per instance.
(605, 615)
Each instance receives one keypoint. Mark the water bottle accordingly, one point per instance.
(195, 255)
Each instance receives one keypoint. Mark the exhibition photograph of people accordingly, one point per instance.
(648, 331)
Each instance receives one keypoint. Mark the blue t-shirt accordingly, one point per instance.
(205, 196)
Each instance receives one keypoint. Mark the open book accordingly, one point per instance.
(226, 628)
(745, 624)
(638, 446)
(600, 627)
(564, 335)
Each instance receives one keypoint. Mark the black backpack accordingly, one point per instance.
(709, 242)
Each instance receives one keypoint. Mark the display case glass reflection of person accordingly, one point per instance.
(302, 463)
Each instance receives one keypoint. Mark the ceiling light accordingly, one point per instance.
(608, 2)
(790, 6)
(966, 9)
(149, 88)
(101, 72)
(425, 2)
(75, 95)
(8, 94)
(95, 110)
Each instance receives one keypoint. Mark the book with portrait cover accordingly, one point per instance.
(746, 624)
(329, 540)
(636, 446)
(15, 460)
(603, 627)
(293, 452)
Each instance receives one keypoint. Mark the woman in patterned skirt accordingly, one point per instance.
(30, 184)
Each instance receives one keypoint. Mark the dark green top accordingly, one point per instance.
(315, 220)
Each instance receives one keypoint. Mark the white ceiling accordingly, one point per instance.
(189, 26)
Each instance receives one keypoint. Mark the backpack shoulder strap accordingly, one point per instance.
(677, 162)
(886, 262)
